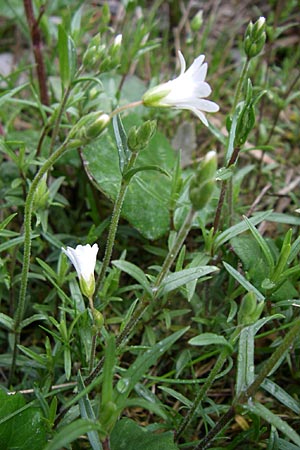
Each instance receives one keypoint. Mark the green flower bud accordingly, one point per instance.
(250, 309)
(203, 182)
(98, 319)
(41, 195)
(139, 137)
(255, 37)
(197, 21)
(89, 127)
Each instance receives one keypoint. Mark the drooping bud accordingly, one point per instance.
(139, 137)
(255, 37)
(203, 182)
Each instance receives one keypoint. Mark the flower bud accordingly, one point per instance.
(98, 320)
(203, 182)
(89, 127)
(139, 137)
(41, 195)
(255, 37)
(250, 309)
(94, 53)
(197, 21)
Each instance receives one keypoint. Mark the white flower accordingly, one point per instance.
(83, 258)
(187, 91)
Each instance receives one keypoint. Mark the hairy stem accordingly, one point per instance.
(114, 225)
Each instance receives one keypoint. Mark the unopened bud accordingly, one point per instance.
(139, 137)
(203, 182)
(250, 309)
(98, 319)
(87, 287)
(197, 21)
(41, 195)
(255, 37)
(89, 127)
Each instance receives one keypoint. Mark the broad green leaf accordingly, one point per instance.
(147, 200)
(243, 282)
(24, 427)
(274, 420)
(177, 279)
(87, 412)
(210, 339)
(71, 432)
(135, 272)
(127, 435)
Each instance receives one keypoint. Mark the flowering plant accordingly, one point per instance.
(187, 91)
(83, 258)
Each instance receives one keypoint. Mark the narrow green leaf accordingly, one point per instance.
(285, 445)
(243, 282)
(6, 321)
(67, 56)
(87, 412)
(32, 319)
(135, 272)
(71, 432)
(239, 228)
(245, 366)
(177, 279)
(274, 420)
(121, 140)
(262, 243)
(40, 359)
(141, 365)
(13, 242)
(7, 220)
(108, 370)
(210, 339)
(281, 395)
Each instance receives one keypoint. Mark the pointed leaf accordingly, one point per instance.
(135, 272)
(243, 282)
(177, 279)
(71, 432)
(121, 139)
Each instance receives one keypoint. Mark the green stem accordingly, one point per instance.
(204, 388)
(144, 302)
(27, 247)
(252, 389)
(240, 84)
(114, 225)
(173, 252)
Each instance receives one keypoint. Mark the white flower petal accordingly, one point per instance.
(83, 258)
(187, 91)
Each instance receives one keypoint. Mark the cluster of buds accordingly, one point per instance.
(203, 182)
(101, 57)
(255, 37)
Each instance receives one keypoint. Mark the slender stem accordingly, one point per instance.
(252, 389)
(125, 107)
(204, 388)
(27, 247)
(181, 237)
(36, 40)
(240, 83)
(114, 225)
(93, 349)
(144, 302)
